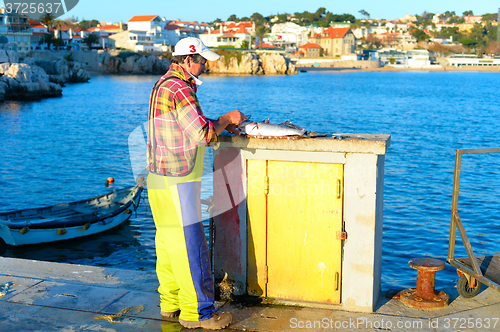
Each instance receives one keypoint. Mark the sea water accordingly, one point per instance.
(63, 149)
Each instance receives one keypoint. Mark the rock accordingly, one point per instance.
(3, 89)
(80, 76)
(21, 72)
(29, 91)
(277, 64)
(11, 83)
(39, 74)
(58, 79)
(3, 56)
(13, 57)
(112, 64)
(129, 64)
(4, 67)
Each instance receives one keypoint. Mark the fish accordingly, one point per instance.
(254, 128)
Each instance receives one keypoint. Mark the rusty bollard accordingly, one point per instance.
(424, 296)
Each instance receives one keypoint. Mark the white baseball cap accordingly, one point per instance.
(191, 45)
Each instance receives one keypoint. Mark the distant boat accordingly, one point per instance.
(70, 220)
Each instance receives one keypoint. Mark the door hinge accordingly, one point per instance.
(341, 235)
(339, 189)
(266, 186)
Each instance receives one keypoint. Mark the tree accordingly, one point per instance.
(88, 24)
(468, 12)
(47, 20)
(90, 39)
(489, 17)
(260, 32)
(233, 18)
(364, 13)
(47, 39)
(257, 17)
(468, 42)
(419, 34)
(478, 34)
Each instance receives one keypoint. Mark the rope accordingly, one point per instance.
(130, 310)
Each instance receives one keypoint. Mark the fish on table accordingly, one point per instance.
(266, 129)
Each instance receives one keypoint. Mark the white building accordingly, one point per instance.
(145, 33)
(17, 29)
(222, 38)
(288, 34)
(176, 30)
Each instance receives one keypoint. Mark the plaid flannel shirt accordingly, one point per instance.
(176, 124)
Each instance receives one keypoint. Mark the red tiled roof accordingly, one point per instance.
(143, 18)
(268, 45)
(35, 24)
(310, 45)
(335, 32)
(104, 27)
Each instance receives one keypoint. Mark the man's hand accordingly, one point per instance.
(233, 129)
(233, 118)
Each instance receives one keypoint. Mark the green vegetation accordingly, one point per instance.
(228, 54)
(321, 18)
(91, 39)
(88, 24)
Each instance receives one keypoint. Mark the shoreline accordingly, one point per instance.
(393, 69)
(328, 70)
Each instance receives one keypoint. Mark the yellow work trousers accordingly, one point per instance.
(182, 260)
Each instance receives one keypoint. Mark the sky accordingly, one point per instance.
(207, 11)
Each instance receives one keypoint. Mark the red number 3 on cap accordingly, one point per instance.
(192, 48)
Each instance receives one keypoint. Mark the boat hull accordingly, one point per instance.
(74, 226)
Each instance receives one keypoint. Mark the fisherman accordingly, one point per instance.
(177, 136)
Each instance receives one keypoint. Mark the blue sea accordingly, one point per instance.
(63, 149)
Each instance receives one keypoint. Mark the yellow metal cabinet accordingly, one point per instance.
(294, 230)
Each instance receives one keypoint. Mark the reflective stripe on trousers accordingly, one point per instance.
(182, 259)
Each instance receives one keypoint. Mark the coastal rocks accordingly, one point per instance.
(19, 81)
(252, 64)
(277, 64)
(20, 72)
(62, 71)
(135, 64)
(3, 56)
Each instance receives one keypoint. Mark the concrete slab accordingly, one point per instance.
(15, 317)
(17, 285)
(71, 306)
(69, 296)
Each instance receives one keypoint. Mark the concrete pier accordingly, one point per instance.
(45, 296)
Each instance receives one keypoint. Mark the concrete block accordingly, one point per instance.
(69, 296)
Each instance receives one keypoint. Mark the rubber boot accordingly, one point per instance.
(214, 323)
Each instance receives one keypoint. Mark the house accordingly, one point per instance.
(236, 26)
(396, 38)
(335, 42)
(17, 29)
(408, 18)
(145, 33)
(473, 19)
(309, 50)
(38, 30)
(108, 29)
(288, 34)
(176, 30)
(224, 38)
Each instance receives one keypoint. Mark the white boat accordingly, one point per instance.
(70, 220)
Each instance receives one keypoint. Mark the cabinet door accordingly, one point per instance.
(304, 215)
(295, 212)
